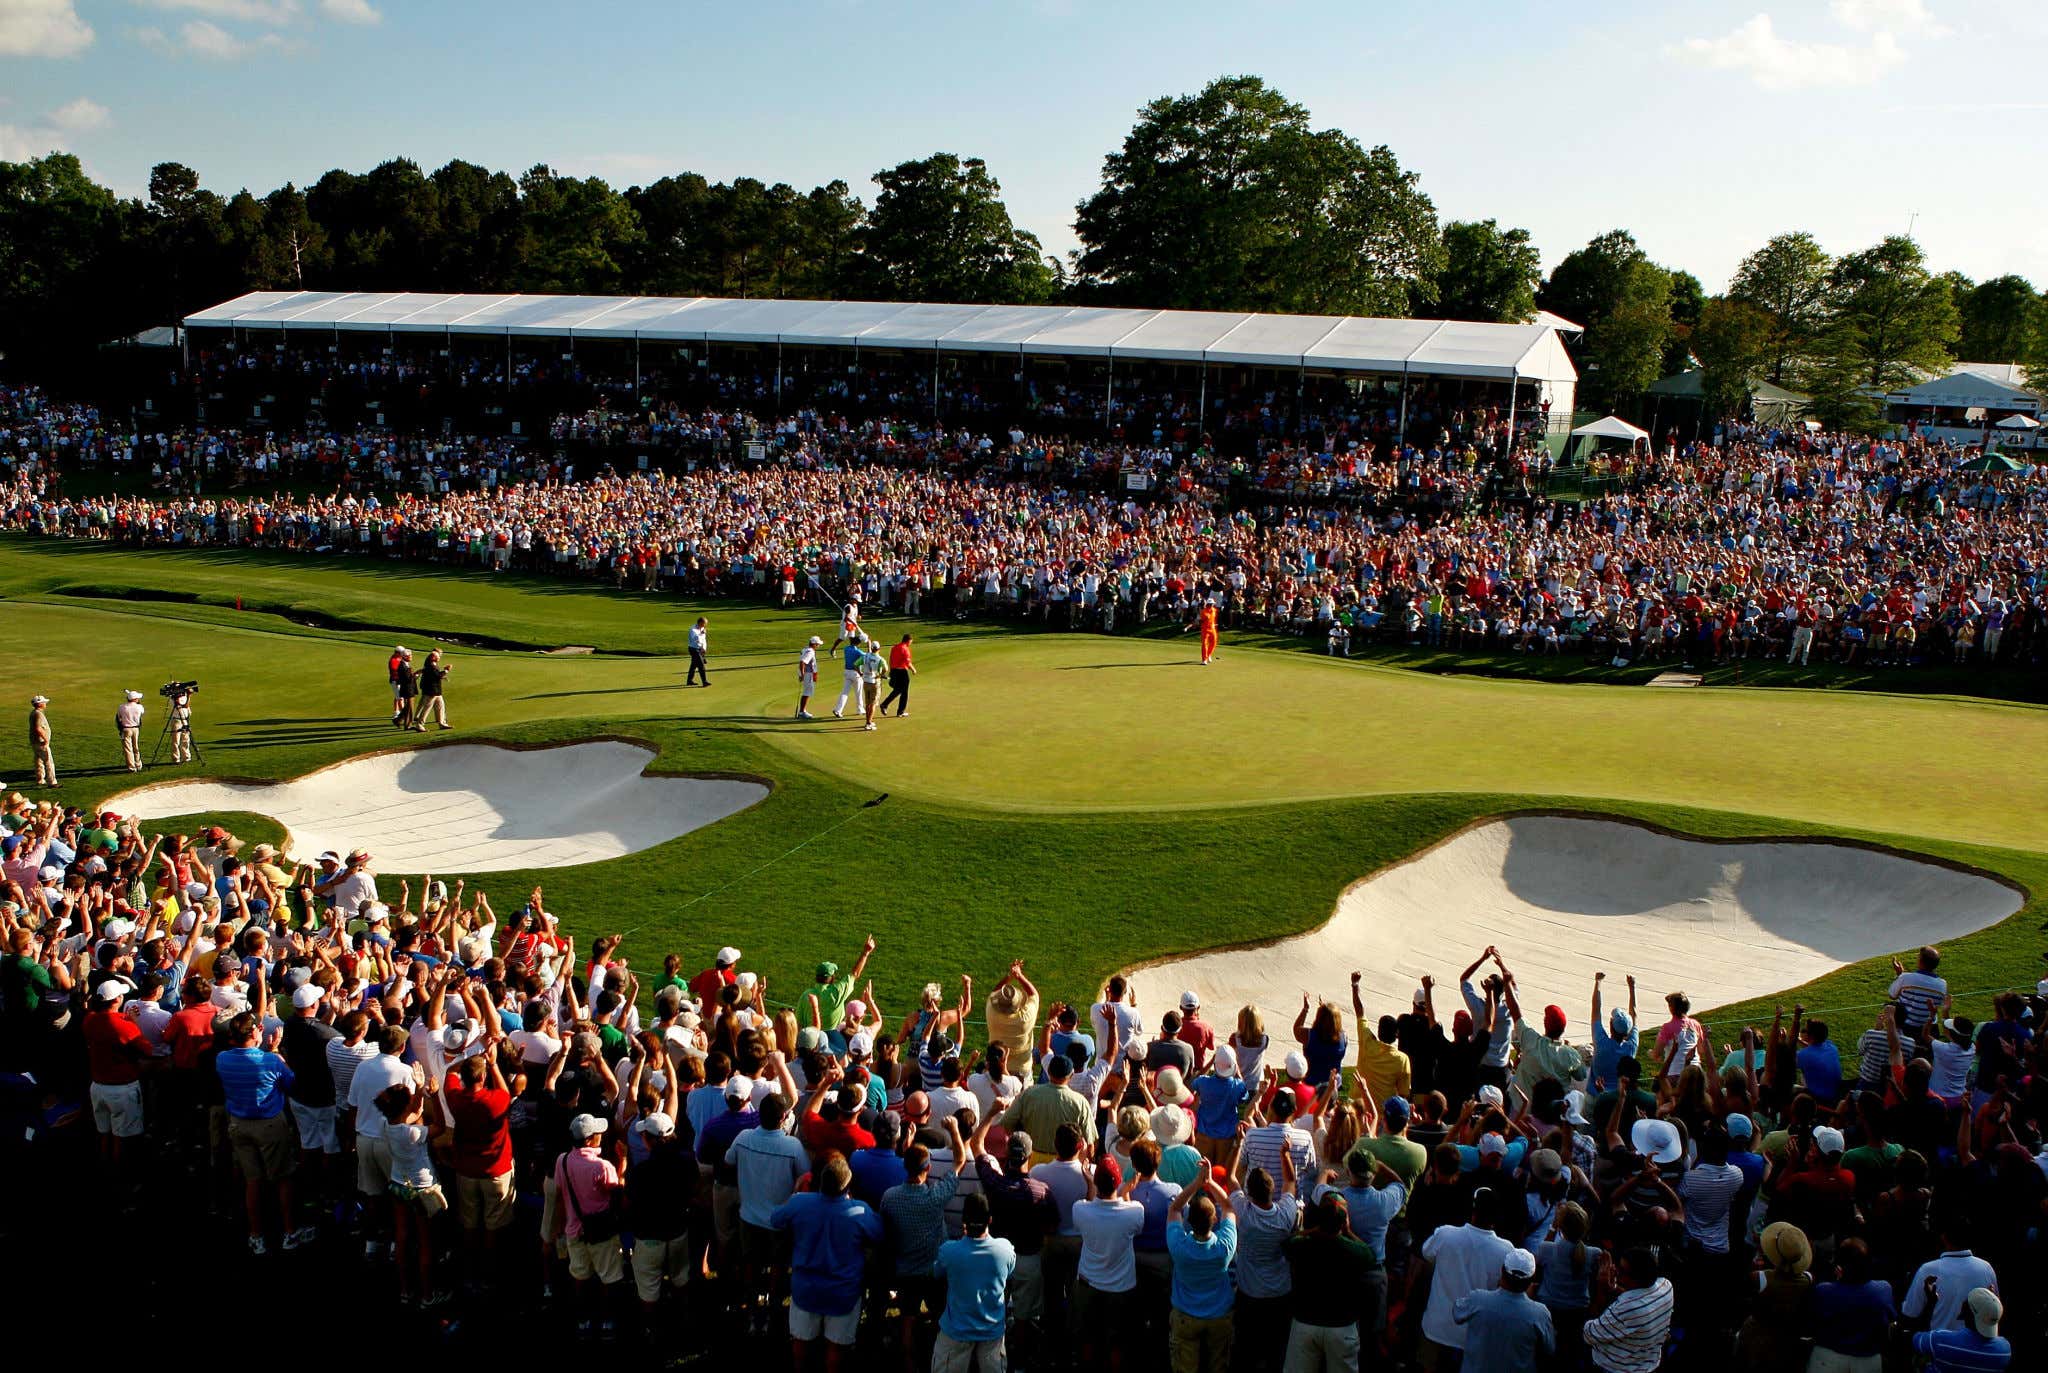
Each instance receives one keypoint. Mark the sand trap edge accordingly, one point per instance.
(1478, 822)
(769, 784)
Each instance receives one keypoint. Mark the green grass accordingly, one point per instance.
(1082, 802)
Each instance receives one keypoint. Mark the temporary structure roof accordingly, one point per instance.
(1691, 385)
(1966, 389)
(1329, 343)
(1612, 427)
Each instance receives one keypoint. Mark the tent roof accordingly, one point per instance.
(1691, 384)
(1335, 343)
(1612, 427)
(1965, 389)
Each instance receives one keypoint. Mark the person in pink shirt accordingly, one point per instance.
(1679, 1039)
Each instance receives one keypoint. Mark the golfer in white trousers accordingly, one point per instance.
(850, 684)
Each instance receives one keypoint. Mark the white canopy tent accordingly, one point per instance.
(1307, 343)
(2018, 422)
(1612, 427)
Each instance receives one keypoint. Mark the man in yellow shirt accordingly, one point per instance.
(1383, 1068)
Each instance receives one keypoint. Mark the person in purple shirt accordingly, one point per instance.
(830, 1233)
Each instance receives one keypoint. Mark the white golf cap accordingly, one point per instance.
(1224, 1062)
(305, 996)
(39, 700)
(738, 1087)
(1190, 1002)
(110, 990)
(1296, 1064)
(815, 641)
(658, 1124)
(132, 695)
(584, 1126)
(728, 955)
(860, 1045)
(1519, 1263)
(745, 981)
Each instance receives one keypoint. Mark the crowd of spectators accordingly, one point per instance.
(509, 1129)
(1782, 544)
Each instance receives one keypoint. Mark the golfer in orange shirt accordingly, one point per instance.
(1205, 620)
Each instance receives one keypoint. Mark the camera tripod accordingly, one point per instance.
(174, 724)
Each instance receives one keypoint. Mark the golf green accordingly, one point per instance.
(1080, 801)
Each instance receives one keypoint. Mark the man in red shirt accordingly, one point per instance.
(706, 986)
(901, 670)
(480, 1105)
(115, 1051)
(835, 1126)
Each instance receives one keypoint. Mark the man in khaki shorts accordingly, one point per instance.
(660, 1190)
(587, 1186)
(480, 1105)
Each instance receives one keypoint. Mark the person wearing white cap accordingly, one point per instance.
(310, 1097)
(1507, 1330)
(588, 1187)
(706, 986)
(115, 1050)
(1220, 1095)
(1973, 1345)
(128, 724)
(807, 678)
(39, 741)
(660, 1189)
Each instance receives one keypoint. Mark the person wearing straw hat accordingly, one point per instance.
(39, 741)
(1772, 1334)
(128, 724)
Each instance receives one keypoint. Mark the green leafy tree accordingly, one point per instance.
(576, 233)
(478, 228)
(1627, 346)
(1587, 285)
(1489, 273)
(940, 231)
(68, 259)
(1895, 317)
(1787, 279)
(1227, 199)
(1998, 319)
(1834, 376)
(1733, 342)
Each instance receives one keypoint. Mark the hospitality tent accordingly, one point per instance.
(1769, 403)
(1610, 428)
(1305, 343)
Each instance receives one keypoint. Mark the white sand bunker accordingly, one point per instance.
(473, 807)
(1562, 897)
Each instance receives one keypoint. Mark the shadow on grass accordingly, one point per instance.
(1099, 667)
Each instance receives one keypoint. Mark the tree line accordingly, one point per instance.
(1227, 199)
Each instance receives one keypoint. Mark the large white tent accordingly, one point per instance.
(1315, 343)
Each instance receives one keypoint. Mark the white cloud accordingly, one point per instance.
(1888, 16)
(42, 28)
(1777, 63)
(80, 116)
(54, 132)
(202, 39)
(249, 11)
(352, 11)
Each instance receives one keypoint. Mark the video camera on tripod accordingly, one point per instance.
(177, 730)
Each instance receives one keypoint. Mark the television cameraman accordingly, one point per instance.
(179, 694)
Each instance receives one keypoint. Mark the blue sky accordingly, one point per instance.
(1704, 127)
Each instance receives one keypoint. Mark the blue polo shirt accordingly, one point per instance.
(851, 655)
(253, 1081)
(1202, 1284)
(828, 1236)
(975, 1271)
(1962, 1351)
(1217, 1099)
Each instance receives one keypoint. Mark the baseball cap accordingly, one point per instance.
(1224, 1062)
(1190, 1002)
(827, 970)
(1134, 1050)
(809, 1038)
(39, 700)
(1296, 1064)
(1739, 1126)
(727, 956)
(815, 641)
(110, 990)
(1518, 1263)
(308, 995)
(1395, 1110)
(1546, 1164)
(1420, 998)
(1490, 1095)
(739, 1086)
(1829, 1140)
(586, 1125)
(860, 1045)
(1492, 1145)
(1019, 1147)
(657, 1124)
(1575, 1108)
(132, 695)
(1985, 1310)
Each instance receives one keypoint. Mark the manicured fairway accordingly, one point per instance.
(1083, 802)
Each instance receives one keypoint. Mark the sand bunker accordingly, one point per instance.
(473, 807)
(1562, 897)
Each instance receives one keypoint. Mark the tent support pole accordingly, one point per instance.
(778, 377)
(1402, 438)
(1514, 394)
(935, 386)
(1202, 405)
(636, 371)
(1109, 395)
